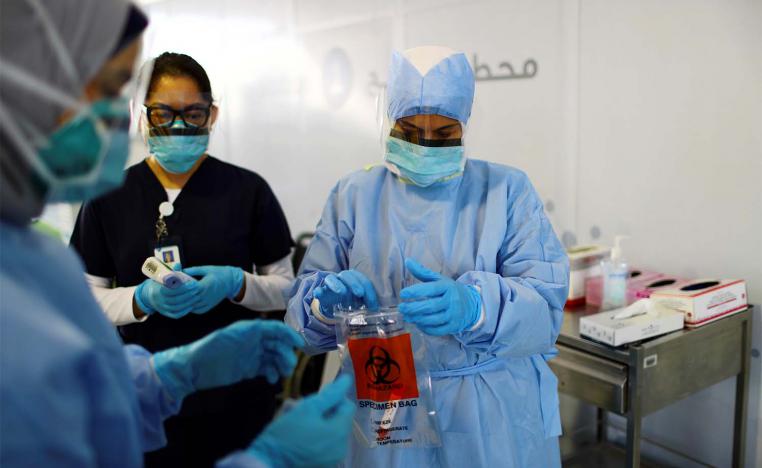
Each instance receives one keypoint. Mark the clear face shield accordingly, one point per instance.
(176, 121)
(428, 130)
(174, 106)
(421, 148)
(86, 154)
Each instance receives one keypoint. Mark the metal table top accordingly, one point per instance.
(570, 335)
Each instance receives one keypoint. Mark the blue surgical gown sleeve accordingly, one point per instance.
(523, 302)
(327, 254)
(156, 405)
(154, 401)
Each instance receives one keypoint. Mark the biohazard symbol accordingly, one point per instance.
(384, 368)
(380, 368)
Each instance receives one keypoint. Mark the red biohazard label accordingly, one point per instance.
(384, 368)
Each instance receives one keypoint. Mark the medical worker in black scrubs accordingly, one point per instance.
(222, 224)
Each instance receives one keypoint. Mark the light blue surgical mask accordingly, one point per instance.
(424, 165)
(177, 153)
(85, 157)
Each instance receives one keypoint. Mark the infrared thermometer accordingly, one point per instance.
(163, 274)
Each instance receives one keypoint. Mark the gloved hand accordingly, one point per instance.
(314, 433)
(243, 350)
(216, 284)
(347, 288)
(152, 296)
(441, 306)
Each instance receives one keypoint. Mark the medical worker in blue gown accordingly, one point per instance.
(71, 395)
(466, 249)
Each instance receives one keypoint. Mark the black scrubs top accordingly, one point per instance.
(225, 215)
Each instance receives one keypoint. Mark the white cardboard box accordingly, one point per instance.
(704, 301)
(605, 328)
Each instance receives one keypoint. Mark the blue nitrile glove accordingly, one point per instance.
(349, 288)
(152, 296)
(217, 284)
(243, 350)
(440, 305)
(314, 433)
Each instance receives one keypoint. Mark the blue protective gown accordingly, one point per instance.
(495, 396)
(70, 394)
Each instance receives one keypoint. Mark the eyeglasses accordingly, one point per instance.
(418, 139)
(160, 115)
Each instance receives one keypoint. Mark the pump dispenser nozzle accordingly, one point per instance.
(616, 252)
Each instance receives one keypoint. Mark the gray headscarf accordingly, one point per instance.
(88, 31)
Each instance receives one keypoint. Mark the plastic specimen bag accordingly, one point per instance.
(387, 359)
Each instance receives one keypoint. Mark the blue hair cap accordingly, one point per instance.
(430, 80)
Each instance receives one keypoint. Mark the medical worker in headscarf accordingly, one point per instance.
(70, 394)
(465, 249)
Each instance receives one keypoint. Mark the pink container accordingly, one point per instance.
(640, 285)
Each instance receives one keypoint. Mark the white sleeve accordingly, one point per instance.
(115, 302)
(265, 289)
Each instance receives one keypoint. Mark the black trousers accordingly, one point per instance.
(214, 423)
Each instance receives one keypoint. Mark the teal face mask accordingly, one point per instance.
(178, 152)
(85, 157)
(424, 165)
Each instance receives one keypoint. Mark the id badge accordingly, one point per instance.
(169, 252)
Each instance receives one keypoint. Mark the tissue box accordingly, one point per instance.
(605, 328)
(704, 301)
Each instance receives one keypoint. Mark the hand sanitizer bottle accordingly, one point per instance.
(615, 272)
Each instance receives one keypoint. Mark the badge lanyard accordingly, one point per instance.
(166, 249)
(165, 209)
